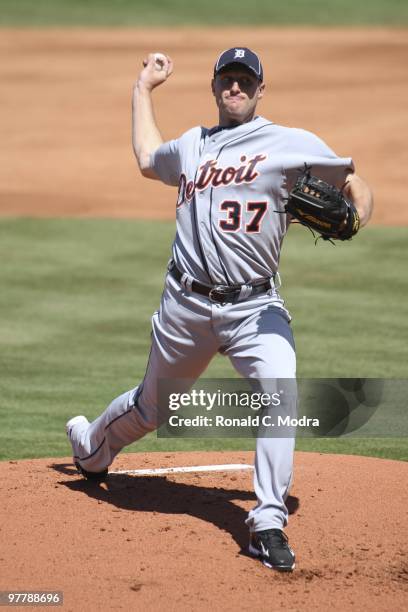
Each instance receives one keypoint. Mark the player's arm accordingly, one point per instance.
(359, 192)
(146, 136)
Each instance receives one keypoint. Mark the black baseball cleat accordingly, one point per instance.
(94, 476)
(272, 547)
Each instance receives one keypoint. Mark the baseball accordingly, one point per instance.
(159, 61)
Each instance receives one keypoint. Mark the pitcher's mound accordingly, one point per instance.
(178, 541)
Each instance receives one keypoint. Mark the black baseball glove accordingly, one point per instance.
(322, 208)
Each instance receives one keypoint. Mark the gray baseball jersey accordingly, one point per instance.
(231, 184)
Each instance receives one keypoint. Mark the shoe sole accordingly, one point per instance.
(96, 477)
(279, 568)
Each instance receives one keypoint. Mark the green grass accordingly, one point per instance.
(349, 303)
(76, 297)
(222, 12)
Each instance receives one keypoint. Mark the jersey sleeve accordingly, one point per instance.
(306, 148)
(165, 161)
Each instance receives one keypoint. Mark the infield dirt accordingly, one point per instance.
(65, 121)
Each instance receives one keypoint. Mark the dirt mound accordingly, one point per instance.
(139, 541)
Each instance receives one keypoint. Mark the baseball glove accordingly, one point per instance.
(322, 208)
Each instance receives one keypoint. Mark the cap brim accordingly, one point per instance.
(243, 64)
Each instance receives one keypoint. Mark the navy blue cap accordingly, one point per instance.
(240, 55)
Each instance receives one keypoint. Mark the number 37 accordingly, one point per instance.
(234, 216)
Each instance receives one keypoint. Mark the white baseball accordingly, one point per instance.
(159, 60)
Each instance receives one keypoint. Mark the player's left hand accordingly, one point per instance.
(322, 208)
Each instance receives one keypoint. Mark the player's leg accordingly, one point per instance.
(263, 349)
(182, 346)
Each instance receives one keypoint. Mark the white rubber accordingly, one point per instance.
(191, 468)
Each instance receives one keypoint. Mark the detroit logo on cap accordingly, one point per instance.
(240, 55)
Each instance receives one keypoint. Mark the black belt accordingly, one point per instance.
(222, 293)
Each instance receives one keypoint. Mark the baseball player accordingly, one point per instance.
(221, 288)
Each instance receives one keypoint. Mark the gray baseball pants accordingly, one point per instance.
(187, 331)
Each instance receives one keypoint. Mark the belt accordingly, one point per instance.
(222, 294)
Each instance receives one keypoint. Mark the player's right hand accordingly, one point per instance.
(157, 67)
